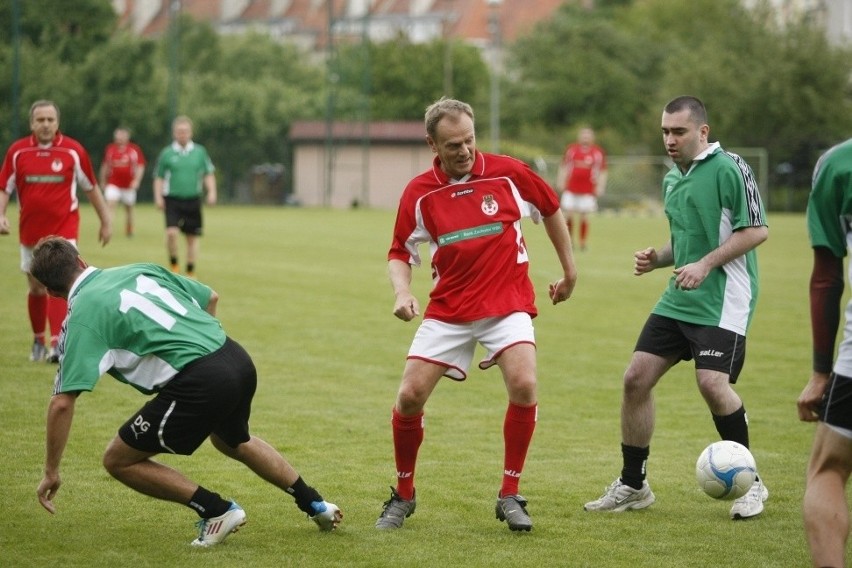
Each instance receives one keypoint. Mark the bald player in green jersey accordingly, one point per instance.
(716, 220)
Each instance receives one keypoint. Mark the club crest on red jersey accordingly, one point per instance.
(489, 206)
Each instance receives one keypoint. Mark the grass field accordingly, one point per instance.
(305, 291)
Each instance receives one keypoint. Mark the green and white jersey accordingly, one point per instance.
(140, 323)
(830, 225)
(183, 170)
(715, 197)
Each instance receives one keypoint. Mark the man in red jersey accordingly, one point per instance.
(46, 169)
(468, 208)
(121, 173)
(582, 179)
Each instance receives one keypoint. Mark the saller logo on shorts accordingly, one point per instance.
(710, 353)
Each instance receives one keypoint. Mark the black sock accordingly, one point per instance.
(173, 260)
(208, 504)
(733, 427)
(190, 267)
(635, 459)
(304, 495)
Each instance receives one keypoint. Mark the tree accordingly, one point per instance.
(759, 78)
(767, 84)
(68, 28)
(579, 67)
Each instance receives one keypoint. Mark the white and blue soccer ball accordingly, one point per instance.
(725, 470)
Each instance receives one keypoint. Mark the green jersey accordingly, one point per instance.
(830, 225)
(183, 169)
(830, 200)
(139, 323)
(715, 197)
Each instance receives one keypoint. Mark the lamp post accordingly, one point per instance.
(494, 30)
(174, 58)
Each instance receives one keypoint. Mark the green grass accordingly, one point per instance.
(305, 291)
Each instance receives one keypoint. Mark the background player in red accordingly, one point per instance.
(582, 179)
(46, 169)
(468, 208)
(121, 173)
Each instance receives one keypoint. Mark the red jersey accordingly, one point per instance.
(46, 179)
(122, 163)
(473, 227)
(586, 163)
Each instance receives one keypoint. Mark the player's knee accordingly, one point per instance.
(522, 388)
(410, 399)
(637, 383)
(713, 385)
(112, 464)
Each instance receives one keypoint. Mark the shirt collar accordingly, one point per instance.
(183, 149)
(56, 140)
(89, 270)
(709, 151)
(477, 169)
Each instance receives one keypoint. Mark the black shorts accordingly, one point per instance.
(836, 407)
(185, 214)
(211, 395)
(712, 348)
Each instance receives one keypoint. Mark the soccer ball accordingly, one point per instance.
(725, 470)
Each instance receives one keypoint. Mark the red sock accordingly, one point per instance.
(407, 437)
(37, 308)
(584, 231)
(518, 428)
(57, 308)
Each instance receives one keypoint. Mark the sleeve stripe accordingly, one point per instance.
(751, 189)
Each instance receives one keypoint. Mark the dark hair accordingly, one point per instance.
(696, 108)
(444, 107)
(55, 263)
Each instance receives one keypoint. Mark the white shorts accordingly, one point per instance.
(579, 202)
(452, 344)
(27, 256)
(114, 193)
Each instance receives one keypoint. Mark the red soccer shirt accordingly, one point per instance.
(122, 163)
(46, 179)
(585, 163)
(473, 227)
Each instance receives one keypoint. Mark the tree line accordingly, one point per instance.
(766, 82)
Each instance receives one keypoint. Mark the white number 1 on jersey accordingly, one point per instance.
(131, 300)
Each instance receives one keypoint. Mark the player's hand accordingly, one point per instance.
(4, 225)
(47, 491)
(406, 307)
(159, 203)
(104, 234)
(644, 261)
(811, 397)
(690, 276)
(561, 290)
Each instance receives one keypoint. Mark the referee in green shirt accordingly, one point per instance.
(184, 171)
